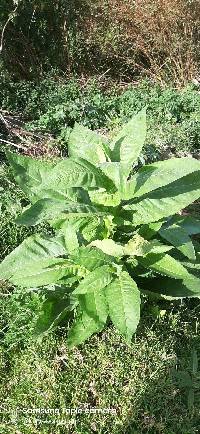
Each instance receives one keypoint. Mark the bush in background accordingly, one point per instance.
(158, 38)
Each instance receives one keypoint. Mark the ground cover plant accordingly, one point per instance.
(116, 234)
(53, 105)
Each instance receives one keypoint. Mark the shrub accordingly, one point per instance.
(159, 39)
(116, 235)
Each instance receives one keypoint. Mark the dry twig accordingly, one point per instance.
(10, 17)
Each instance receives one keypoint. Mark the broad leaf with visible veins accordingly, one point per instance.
(123, 298)
(116, 231)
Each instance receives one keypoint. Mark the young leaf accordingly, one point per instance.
(109, 247)
(96, 280)
(71, 239)
(99, 197)
(123, 300)
(90, 258)
(138, 246)
(127, 145)
(84, 143)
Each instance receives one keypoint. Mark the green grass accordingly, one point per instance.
(137, 381)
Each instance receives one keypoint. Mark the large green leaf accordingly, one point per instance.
(179, 238)
(82, 329)
(159, 174)
(34, 178)
(190, 224)
(36, 263)
(164, 264)
(33, 248)
(193, 267)
(165, 201)
(94, 304)
(48, 209)
(171, 287)
(127, 145)
(73, 194)
(96, 280)
(45, 272)
(29, 173)
(84, 143)
(150, 230)
(92, 317)
(123, 300)
(77, 172)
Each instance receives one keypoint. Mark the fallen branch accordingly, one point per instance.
(4, 121)
(18, 146)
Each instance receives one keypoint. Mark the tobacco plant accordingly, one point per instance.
(117, 232)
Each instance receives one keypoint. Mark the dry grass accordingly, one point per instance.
(159, 38)
(123, 38)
